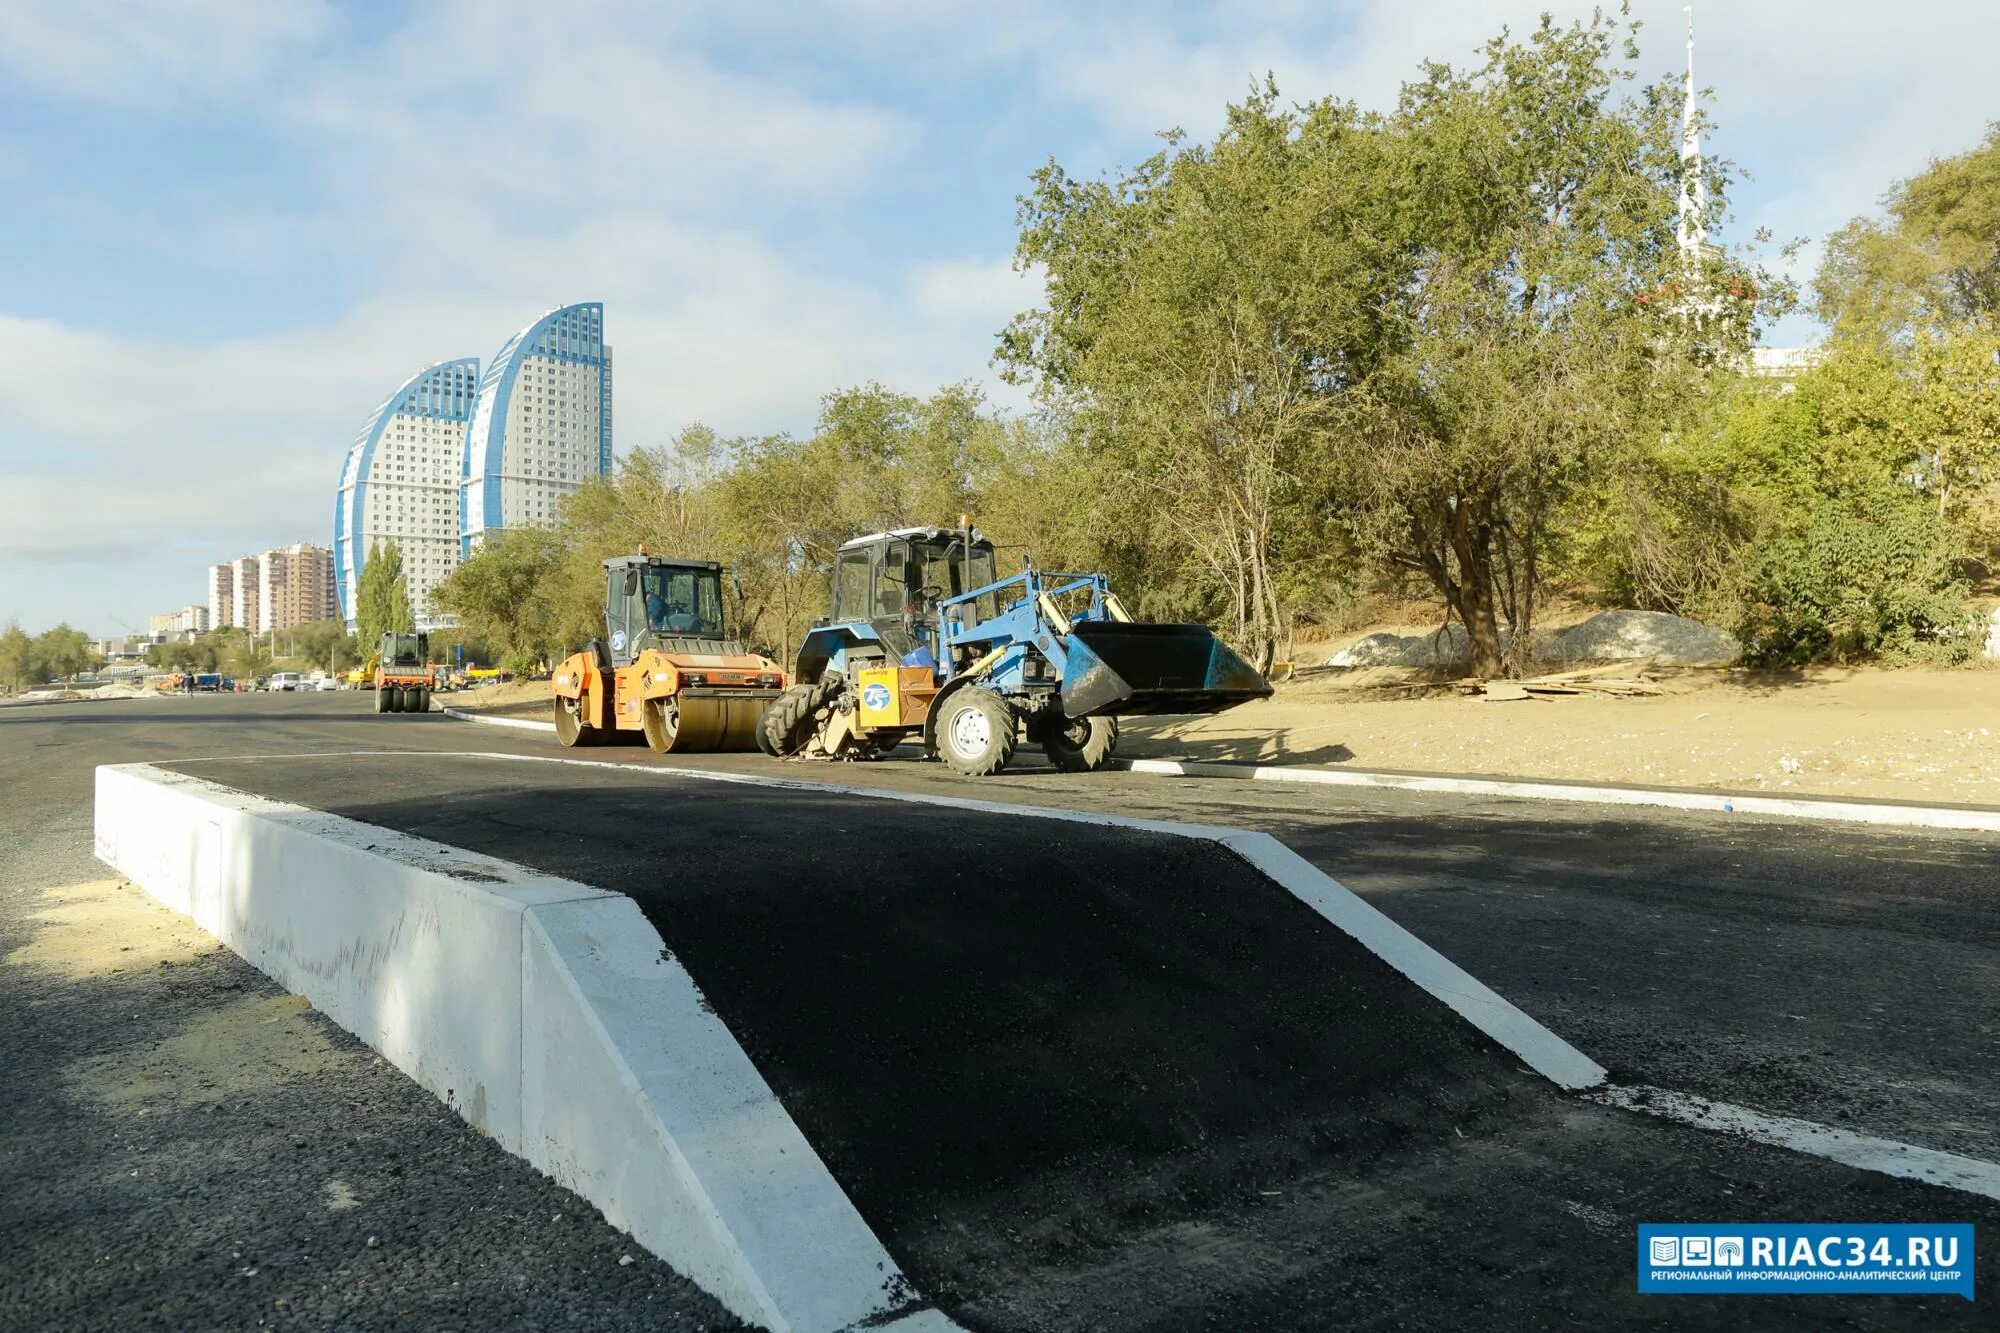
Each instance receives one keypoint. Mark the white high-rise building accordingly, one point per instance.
(400, 484)
(246, 576)
(221, 595)
(542, 425)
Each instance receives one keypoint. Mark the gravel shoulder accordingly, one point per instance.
(186, 1146)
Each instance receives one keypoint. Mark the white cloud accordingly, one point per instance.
(972, 290)
(534, 113)
(146, 53)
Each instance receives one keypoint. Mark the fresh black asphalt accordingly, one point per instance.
(1057, 1065)
(1487, 1201)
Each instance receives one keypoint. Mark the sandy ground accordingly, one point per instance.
(1900, 735)
(1912, 735)
(105, 928)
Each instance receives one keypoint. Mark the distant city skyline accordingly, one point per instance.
(400, 483)
(231, 227)
(454, 457)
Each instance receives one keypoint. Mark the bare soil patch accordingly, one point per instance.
(1917, 735)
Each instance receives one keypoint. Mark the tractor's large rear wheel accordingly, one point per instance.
(788, 724)
(975, 735)
(571, 729)
(1079, 744)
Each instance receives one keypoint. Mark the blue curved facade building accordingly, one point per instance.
(541, 427)
(399, 484)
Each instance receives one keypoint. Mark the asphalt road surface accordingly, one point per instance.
(1840, 975)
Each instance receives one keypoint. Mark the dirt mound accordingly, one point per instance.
(1623, 636)
(1608, 636)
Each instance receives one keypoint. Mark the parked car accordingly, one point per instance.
(324, 683)
(285, 680)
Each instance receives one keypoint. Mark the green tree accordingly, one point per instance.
(16, 657)
(62, 652)
(1867, 575)
(515, 595)
(382, 596)
(1934, 259)
(1203, 314)
(1544, 327)
(326, 645)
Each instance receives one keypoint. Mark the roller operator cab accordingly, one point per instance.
(924, 639)
(404, 677)
(665, 668)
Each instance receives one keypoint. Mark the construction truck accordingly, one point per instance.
(403, 674)
(923, 640)
(666, 668)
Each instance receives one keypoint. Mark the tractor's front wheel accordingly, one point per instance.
(787, 725)
(1078, 745)
(975, 736)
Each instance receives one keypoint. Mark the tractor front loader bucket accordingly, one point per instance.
(1121, 668)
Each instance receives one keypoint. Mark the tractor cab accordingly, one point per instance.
(653, 602)
(405, 651)
(893, 581)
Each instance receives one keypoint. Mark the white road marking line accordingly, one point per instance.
(304, 754)
(1838, 811)
(1884, 1156)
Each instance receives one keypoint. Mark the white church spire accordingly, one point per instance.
(1693, 229)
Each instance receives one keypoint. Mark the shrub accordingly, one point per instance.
(1875, 576)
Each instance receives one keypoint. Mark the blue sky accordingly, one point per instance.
(228, 228)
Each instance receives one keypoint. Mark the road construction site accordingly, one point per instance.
(1062, 1068)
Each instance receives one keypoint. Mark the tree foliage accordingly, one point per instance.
(1874, 575)
(1933, 260)
(382, 596)
(16, 657)
(1204, 312)
(1416, 336)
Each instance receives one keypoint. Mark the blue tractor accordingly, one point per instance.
(925, 641)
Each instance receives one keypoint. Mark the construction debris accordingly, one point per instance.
(1595, 680)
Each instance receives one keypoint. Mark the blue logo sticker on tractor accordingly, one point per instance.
(618, 641)
(875, 698)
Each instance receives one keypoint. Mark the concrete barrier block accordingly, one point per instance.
(547, 1013)
(392, 937)
(635, 1094)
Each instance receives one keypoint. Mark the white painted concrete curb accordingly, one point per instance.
(1785, 807)
(518, 723)
(1847, 812)
(546, 1012)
